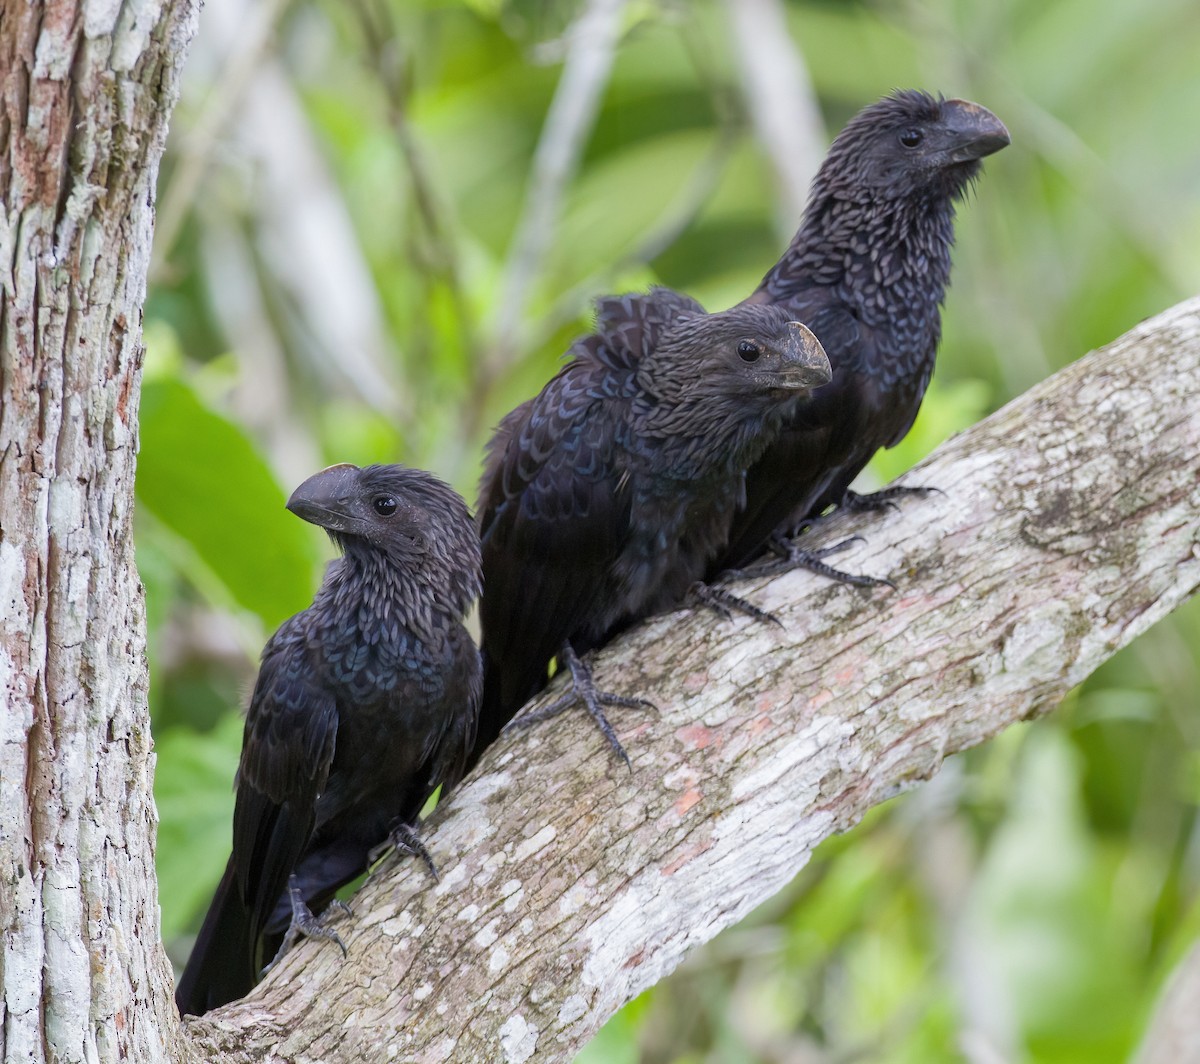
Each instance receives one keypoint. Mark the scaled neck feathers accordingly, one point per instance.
(372, 588)
(887, 240)
(696, 430)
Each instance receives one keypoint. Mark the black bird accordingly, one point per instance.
(867, 272)
(365, 702)
(605, 497)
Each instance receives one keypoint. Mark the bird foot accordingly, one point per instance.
(403, 838)
(583, 689)
(726, 603)
(305, 925)
(853, 502)
(789, 557)
(794, 557)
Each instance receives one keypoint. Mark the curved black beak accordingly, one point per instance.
(975, 131)
(324, 497)
(805, 364)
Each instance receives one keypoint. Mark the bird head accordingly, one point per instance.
(911, 141)
(407, 514)
(748, 350)
(783, 357)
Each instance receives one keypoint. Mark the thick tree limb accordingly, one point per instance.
(1069, 524)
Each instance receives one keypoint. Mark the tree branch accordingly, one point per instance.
(591, 43)
(1173, 1034)
(1068, 526)
(781, 101)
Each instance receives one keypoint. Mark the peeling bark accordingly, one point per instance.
(1069, 525)
(86, 87)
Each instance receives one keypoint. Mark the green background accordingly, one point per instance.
(336, 220)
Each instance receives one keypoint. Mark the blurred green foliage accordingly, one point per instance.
(335, 254)
(201, 477)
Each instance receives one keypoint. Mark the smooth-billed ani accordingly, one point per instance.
(365, 702)
(867, 272)
(604, 498)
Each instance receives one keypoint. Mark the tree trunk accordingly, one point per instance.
(1069, 524)
(87, 90)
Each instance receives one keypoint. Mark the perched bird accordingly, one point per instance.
(365, 702)
(604, 498)
(867, 272)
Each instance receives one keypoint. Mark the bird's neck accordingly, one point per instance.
(368, 591)
(870, 246)
(698, 437)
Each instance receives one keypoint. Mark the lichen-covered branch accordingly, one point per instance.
(1069, 523)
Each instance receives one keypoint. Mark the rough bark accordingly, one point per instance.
(1069, 525)
(1173, 1034)
(86, 87)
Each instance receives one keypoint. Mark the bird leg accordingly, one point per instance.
(403, 838)
(789, 556)
(583, 689)
(726, 603)
(793, 557)
(305, 925)
(853, 502)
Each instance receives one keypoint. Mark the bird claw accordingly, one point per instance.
(403, 838)
(786, 550)
(583, 689)
(789, 557)
(727, 604)
(811, 560)
(304, 924)
(853, 502)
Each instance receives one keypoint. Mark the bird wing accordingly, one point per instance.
(554, 513)
(554, 452)
(796, 471)
(445, 757)
(630, 326)
(287, 750)
(554, 506)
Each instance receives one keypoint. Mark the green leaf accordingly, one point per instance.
(201, 476)
(193, 789)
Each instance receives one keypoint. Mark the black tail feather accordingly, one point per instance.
(223, 965)
(504, 693)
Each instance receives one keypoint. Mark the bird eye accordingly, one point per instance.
(384, 505)
(910, 138)
(748, 351)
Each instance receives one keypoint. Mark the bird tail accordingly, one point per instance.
(505, 691)
(222, 965)
(493, 713)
